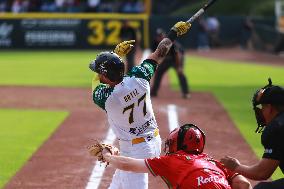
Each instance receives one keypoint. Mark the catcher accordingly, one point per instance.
(184, 166)
(126, 100)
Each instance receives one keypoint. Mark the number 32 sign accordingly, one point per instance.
(107, 32)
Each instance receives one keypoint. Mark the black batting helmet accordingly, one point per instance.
(108, 64)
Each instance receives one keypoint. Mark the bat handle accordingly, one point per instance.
(196, 15)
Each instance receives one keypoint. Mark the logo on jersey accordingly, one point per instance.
(268, 151)
(139, 130)
(204, 180)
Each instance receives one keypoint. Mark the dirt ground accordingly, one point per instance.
(63, 162)
(238, 54)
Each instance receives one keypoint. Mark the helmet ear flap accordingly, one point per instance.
(171, 144)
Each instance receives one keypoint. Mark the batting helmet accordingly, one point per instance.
(108, 64)
(188, 138)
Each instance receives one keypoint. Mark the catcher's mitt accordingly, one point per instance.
(97, 148)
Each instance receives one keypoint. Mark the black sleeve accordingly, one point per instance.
(272, 142)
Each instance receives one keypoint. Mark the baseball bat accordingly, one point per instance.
(201, 11)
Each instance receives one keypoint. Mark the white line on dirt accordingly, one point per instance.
(172, 116)
(98, 170)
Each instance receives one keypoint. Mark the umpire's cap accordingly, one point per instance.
(272, 95)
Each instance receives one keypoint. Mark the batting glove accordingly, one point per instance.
(124, 48)
(181, 27)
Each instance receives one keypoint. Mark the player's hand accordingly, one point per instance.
(99, 150)
(124, 48)
(181, 27)
(230, 162)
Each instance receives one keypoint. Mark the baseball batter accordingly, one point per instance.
(126, 100)
(184, 166)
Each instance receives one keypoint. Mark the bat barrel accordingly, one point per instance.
(201, 11)
(207, 5)
(196, 15)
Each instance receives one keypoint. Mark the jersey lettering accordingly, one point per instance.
(132, 106)
(131, 95)
(201, 180)
(139, 130)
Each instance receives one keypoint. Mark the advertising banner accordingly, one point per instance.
(73, 33)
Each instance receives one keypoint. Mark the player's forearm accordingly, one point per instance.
(161, 51)
(252, 172)
(259, 171)
(127, 163)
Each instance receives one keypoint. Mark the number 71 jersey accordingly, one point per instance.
(128, 104)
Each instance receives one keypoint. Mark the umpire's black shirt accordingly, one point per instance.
(272, 140)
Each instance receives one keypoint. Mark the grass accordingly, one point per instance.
(22, 132)
(41, 68)
(233, 84)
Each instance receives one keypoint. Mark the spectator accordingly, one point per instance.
(202, 37)
(174, 59)
(75, 6)
(3, 5)
(268, 104)
(60, 5)
(213, 27)
(34, 5)
(20, 6)
(93, 5)
(246, 34)
(107, 6)
(48, 6)
(279, 46)
(132, 6)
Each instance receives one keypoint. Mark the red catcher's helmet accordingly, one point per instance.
(188, 138)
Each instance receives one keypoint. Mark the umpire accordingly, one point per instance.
(175, 59)
(127, 32)
(268, 104)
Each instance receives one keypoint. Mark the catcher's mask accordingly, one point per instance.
(188, 138)
(108, 64)
(269, 94)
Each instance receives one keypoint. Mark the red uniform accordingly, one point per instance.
(187, 171)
